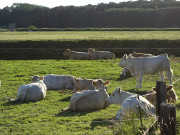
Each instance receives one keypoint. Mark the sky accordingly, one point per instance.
(54, 3)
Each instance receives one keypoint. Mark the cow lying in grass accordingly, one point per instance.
(135, 54)
(171, 95)
(139, 66)
(31, 92)
(100, 54)
(88, 84)
(56, 82)
(74, 55)
(129, 103)
(88, 100)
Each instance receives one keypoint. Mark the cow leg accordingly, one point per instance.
(169, 75)
(119, 115)
(140, 80)
(137, 81)
(161, 76)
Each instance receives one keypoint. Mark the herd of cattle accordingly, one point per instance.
(92, 94)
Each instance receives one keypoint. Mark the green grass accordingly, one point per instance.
(46, 116)
(91, 35)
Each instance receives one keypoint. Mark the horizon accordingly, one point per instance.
(56, 3)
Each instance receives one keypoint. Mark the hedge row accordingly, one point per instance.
(53, 49)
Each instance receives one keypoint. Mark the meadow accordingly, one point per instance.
(47, 117)
(90, 35)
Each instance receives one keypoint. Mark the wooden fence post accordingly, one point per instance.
(168, 119)
(160, 96)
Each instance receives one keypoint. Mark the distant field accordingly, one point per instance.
(91, 35)
(46, 117)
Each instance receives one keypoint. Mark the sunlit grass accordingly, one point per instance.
(92, 35)
(46, 116)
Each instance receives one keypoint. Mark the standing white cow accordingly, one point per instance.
(129, 103)
(139, 66)
(56, 82)
(88, 100)
(125, 71)
(31, 92)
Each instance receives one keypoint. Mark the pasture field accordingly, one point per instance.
(91, 35)
(46, 116)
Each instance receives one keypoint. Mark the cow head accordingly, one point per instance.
(114, 98)
(90, 51)
(123, 60)
(67, 52)
(100, 83)
(36, 78)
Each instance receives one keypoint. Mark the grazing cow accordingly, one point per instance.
(171, 95)
(88, 84)
(88, 100)
(100, 54)
(129, 103)
(139, 66)
(135, 54)
(73, 55)
(125, 71)
(56, 82)
(31, 92)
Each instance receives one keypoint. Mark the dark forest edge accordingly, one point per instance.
(137, 14)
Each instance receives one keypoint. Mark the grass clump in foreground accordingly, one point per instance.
(46, 117)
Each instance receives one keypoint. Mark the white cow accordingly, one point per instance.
(56, 82)
(139, 66)
(100, 54)
(88, 84)
(125, 71)
(171, 95)
(31, 92)
(129, 104)
(74, 55)
(135, 54)
(88, 100)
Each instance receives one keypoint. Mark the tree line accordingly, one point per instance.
(138, 14)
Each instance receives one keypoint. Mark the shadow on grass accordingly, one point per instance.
(100, 122)
(71, 113)
(137, 91)
(122, 77)
(10, 103)
(65, 99)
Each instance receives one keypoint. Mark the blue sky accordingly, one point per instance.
(54, 3)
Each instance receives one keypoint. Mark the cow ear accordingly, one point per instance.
(94, 83)
(68, 50)
(130, 55)
(154, 88)
(125, 56)
(107, 83)
(119, 90)
(42, 78)
(169, 87)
